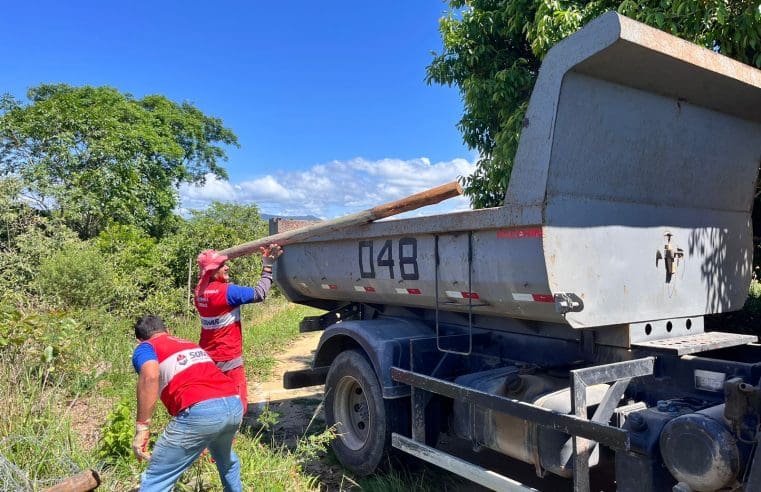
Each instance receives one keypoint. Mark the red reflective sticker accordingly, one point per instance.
(369, 289)
(543, 297)
(414, 291)
(519, 233)
(470, 295)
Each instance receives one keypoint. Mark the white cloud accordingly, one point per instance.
(335, 188)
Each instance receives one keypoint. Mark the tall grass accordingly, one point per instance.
(36, 441)
(40, 444)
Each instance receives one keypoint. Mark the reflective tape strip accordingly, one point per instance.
(329, 286)
(363, 288)
(517, 296)
(462, 295)
(414, 292)
(176, 363)
(543, 297)
(230, 364)
(524, 233)
(217, 322)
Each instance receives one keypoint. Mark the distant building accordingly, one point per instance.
(280, 224)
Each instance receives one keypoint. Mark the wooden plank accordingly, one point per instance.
(82, 482)
(428, 197)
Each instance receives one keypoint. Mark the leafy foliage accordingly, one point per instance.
(218, 227)
(116, 439)
(753, 303)
(15, 215)
(493, 49)
(755, 289)
(77, 277)
(143, 279)
(95, 155)
(23, 254)
(47, 341)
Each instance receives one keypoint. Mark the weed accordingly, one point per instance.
(116, 441)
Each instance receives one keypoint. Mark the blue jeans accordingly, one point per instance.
(208, 424)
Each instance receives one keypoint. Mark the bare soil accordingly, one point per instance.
(300, 411)
(87, 418)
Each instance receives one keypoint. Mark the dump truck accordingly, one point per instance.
(564, 329)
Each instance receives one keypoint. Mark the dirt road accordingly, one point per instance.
(296, 408)
(297, 356)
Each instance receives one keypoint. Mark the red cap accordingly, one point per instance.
(209, 260)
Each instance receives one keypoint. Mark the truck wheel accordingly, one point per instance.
(363, 420)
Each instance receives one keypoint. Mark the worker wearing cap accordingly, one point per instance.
(218, 302)
(204, 404)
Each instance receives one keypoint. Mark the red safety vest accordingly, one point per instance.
(187, 375)
(221, 334)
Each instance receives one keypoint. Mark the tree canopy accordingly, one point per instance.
(493, 49)
(95, 155)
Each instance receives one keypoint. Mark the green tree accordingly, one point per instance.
(20, 261)
(493, 49)
(94, 155)
(15, 215)
(219, 226)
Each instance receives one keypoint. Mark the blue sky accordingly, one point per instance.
(328, 98)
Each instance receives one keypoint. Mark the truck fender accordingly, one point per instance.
(384, 342)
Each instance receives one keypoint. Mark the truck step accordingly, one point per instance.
(693, 344)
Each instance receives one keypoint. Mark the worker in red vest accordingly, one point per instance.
(204, 404)
(218, 302)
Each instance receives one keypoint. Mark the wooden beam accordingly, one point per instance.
(81, 482)
(428, 197)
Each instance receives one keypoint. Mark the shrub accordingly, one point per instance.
(46, 341)
(166, 303)
(77, 276)
(753, 304)
(23, 255)
(755, 289)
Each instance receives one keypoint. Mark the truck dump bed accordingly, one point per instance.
(630, 199)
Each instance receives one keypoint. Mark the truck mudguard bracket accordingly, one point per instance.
(305, 377)
(612, 437)
(317, 323)
(384, 341)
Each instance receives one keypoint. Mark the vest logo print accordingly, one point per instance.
(174, 365)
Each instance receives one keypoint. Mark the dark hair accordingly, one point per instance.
(147, 326)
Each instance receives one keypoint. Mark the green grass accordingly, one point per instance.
(40, 443)
(35, 433)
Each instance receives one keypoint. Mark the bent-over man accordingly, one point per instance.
(204, 404)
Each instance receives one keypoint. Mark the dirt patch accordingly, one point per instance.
(297, 356)
(87, 418)
(299, 412)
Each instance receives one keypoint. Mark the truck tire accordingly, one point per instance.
(363, 420)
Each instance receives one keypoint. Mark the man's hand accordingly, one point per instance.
(270, 254)
(140, 442)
